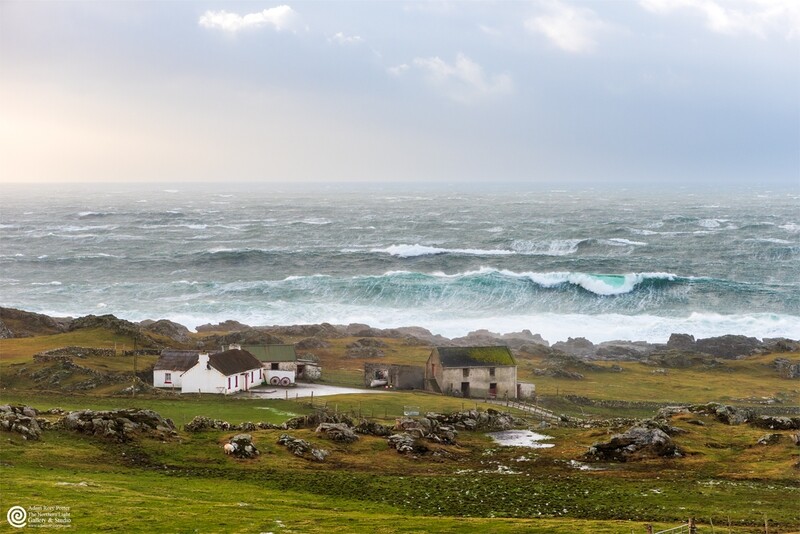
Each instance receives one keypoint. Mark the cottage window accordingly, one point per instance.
(236, 381)
(491, 371)
(229, 382)
(465, 372)
(167, 378)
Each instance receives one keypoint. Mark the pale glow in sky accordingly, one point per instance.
(549, 91)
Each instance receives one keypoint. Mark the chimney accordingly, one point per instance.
(202, 360)
(234, 346)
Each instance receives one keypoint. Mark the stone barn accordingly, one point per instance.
(479, 372)
(394, 376)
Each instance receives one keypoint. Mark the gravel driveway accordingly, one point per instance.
(303, 390)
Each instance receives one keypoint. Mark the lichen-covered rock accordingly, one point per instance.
(119, 425)
(371, 428)
(769, 439)
(200, 423)
(403, 442)
(777, 423)
(316, 418)
(636, 442)
(337, 432)
(22, 420)
(302, 448)
(243, 446)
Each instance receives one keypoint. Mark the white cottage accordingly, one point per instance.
(222, 372)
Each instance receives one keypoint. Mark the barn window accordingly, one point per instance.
(274, 366)
(491, 371)
(167, 378)
(465, 371)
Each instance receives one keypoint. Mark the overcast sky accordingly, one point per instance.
(554, 91)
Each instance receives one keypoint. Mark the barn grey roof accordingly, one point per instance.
(233, 361)
(475, 356)
(176, 360)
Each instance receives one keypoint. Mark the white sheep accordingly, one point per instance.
(229, 448)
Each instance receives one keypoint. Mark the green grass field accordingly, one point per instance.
(189, 485)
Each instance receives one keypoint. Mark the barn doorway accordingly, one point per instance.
(465, 389)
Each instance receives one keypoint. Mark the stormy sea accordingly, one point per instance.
(634, 265)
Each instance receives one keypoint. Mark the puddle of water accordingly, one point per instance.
(520, 438)
(277, 412)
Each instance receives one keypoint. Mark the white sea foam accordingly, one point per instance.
(53, 283)
(411, 251)
(621, 241)
(791, 227)
(558, 247)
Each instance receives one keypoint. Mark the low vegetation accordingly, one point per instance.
(723, 475)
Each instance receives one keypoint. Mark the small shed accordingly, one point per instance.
(481, 372)
(282, 359)
(394, 376)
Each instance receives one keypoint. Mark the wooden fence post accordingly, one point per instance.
(649, 528)
(692, 526)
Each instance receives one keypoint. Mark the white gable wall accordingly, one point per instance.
(160, 378)
(202, 378)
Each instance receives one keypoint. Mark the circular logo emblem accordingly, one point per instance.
(17, 516)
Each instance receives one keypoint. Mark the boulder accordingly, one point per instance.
(684, 342)
(243, 446)
(769, 439)
(786, 368)
(119, 425)
(337, 432)
(404, 443)
(636, 442)
(372, 428)
(225, 326)
(777, 423)
(302, 448)
(22, 420)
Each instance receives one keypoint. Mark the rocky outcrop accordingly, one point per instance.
(786, 368)
(252, 336)
(681, 359)
(22, 420)
(225, 326)
(371, 428)
(302, 448)
(637, 442)
(242, 446)
(200, 424)
(118, 326)
(366, 348)
(337, 432)
(311, 343)
(19, 323)
(729, 347)
(513, 340)
(578, 346)
(119, 425)
(174, 331)
(776, 423)
(623, 350)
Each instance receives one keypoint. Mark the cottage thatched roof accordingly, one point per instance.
(475, 356)
(176, 360)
